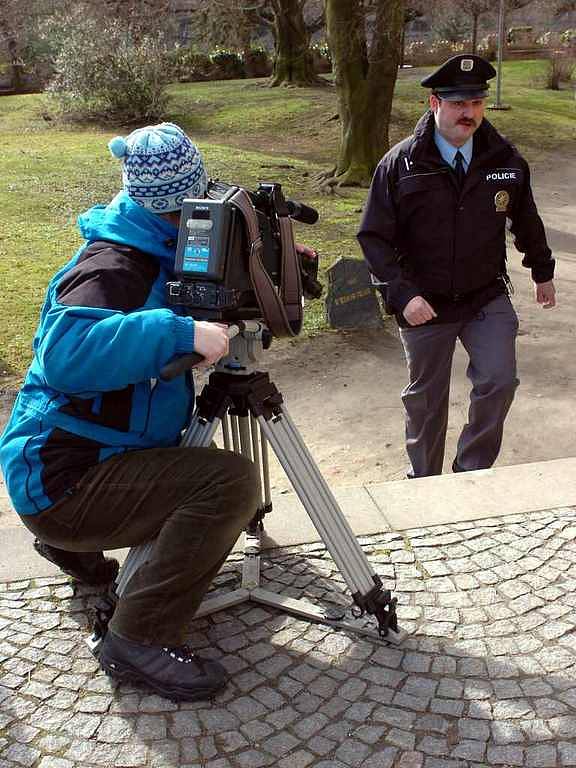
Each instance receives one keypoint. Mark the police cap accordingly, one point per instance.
(461, 78)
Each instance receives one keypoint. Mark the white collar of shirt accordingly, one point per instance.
(448, 151)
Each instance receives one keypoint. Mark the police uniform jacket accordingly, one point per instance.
(423, 236)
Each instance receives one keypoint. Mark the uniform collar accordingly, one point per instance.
(448, 151)
(489, 145)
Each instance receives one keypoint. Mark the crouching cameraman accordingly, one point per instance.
(90, 454)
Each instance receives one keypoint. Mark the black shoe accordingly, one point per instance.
(456, 467)
(174, 673)
(88, 567)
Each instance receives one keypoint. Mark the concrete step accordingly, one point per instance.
(400, 505)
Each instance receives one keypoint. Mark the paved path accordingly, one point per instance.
(486, 678)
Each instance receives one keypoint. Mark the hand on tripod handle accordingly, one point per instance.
(210, 342)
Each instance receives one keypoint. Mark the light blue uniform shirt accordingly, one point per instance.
(448, 151)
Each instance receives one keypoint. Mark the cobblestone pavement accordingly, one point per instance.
(486, 678)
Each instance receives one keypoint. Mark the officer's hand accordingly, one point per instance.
(545, 294)
(210, 340)
(418, 311)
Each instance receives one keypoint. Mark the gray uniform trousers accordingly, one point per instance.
(489, 339)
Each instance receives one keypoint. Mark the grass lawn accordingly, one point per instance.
(247, 132)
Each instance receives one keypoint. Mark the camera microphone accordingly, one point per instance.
(301, 212)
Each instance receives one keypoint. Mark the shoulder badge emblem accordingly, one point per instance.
(501, 200)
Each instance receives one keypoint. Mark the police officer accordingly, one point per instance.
(433, 233)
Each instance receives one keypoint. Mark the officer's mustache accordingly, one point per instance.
(466, 121)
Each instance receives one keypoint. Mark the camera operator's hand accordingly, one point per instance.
(306, 251)
(210, 341)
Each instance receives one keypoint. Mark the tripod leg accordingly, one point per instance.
(235, 433)
(226, 431)
(255, 434)
(265, 470)
(248, 430)
(318, 500)
(136, 557)
(329, 521)
(245, 437)
(199, 433)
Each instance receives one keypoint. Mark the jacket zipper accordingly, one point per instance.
(454, 225)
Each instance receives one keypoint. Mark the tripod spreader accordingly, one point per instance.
(379, 603)
(257, 522)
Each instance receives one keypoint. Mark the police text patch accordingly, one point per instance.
(503, 174)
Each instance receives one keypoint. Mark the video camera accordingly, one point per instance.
(236, 259)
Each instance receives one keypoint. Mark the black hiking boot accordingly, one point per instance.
(173, 672)
(88, 567)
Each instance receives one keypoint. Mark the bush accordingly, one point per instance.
(488, 47)
(227, 65)
(187, 65)
(102, 73)
(448, 27)
(321, 58)
(568, 38)
(37, 67)
(422, 54)
(257, 63)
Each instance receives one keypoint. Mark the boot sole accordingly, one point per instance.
(126, 674)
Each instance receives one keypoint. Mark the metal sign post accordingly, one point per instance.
(501, 43)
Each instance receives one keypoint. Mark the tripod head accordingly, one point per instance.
(246, 347)
(248, 338)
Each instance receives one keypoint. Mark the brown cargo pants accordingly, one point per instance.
(194, 502)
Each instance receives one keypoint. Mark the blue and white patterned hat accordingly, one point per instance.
(161, 167)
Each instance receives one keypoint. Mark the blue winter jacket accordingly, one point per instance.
(105, 333)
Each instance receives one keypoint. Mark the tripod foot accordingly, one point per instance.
(392, 638)
(332, 617)
(378, 602)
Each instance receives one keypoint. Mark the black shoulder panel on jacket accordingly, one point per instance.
(110, 276)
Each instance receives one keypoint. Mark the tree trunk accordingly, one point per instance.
(365, 81)
(474, 32)
(293, 59)
(16, 67)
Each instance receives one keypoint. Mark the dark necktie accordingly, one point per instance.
(459, 169)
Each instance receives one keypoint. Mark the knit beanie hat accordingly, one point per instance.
(161, 167)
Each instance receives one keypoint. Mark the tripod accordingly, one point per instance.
(250, 410)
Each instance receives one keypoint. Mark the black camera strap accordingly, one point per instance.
(282, 312)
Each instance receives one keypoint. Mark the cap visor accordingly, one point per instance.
(461, 95)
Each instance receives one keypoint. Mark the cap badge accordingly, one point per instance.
(501, 200)
(467, 65)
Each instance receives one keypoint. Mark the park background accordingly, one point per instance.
(270, 91)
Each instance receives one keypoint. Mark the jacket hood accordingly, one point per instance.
(124, 221)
